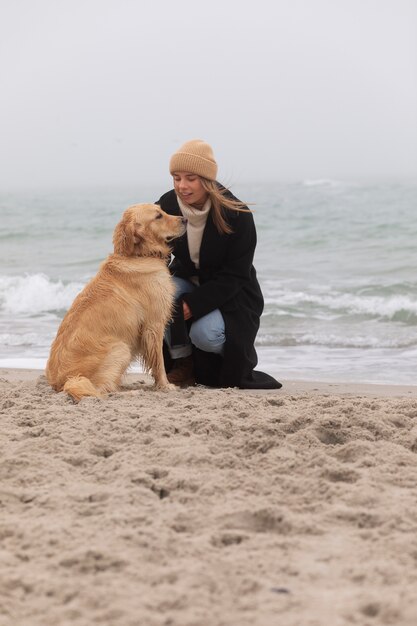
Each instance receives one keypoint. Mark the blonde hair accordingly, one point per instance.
(220, 201)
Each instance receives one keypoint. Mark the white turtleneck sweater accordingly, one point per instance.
(197, 219)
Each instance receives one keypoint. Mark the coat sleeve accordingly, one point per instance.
(233, 273)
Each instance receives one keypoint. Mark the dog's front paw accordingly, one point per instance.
(165, 387)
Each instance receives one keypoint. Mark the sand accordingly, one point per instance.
(208, 507)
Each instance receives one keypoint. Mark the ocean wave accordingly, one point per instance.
(22, 340)
(330, 340)
(34, 294)
(398, 308)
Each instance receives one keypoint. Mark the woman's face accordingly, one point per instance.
(190, 189)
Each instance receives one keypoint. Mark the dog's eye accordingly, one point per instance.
(158, 216)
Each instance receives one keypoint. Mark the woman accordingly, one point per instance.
(219, 301)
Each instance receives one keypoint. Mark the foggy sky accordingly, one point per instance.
(103, 91)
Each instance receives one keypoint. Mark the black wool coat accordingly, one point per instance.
(228, 282)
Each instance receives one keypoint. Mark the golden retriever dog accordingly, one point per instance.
(122, 312)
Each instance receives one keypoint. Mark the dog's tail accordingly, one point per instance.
(80, 386)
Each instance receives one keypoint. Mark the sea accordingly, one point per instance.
(336, 260)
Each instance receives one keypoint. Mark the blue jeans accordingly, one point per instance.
(206, 333)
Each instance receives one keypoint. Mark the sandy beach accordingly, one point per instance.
(206, 507)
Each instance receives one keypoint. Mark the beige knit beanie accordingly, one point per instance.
(194, 156)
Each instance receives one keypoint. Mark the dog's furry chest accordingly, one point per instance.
(155, 297)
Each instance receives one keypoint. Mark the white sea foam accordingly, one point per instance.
(35, 293)
(337, 364)
(24, 363)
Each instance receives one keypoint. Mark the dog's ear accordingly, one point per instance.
(138, 239)
(124, 236)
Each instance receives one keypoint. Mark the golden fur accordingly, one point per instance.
(122, 312)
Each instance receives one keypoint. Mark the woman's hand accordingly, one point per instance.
(186, 311)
